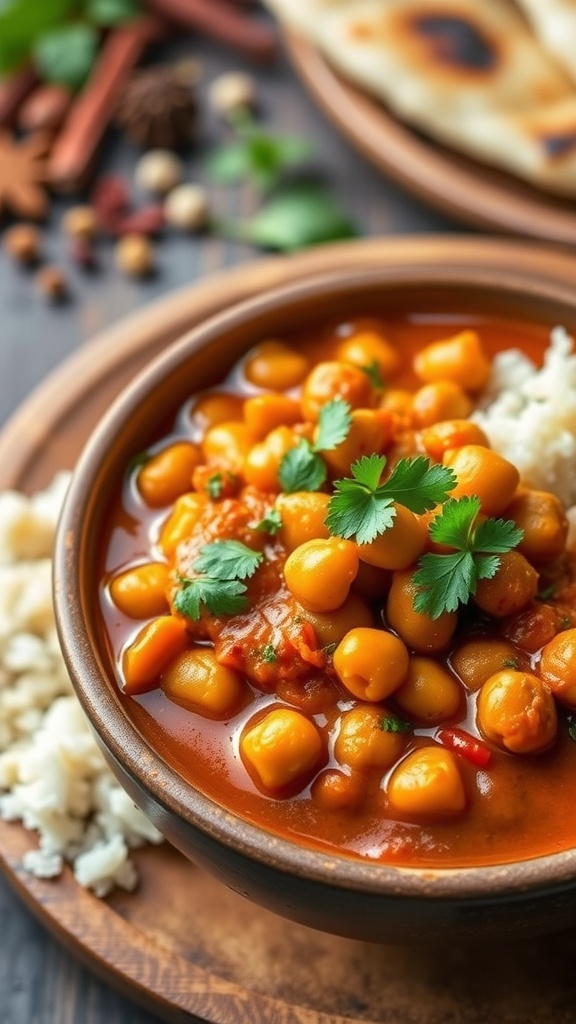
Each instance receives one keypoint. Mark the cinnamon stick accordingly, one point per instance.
(76, 145)
(13, 91)
(225, 22)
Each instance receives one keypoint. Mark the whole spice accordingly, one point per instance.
(218, 18)
(148, 220)
(135, 256)
(158, 108)
(22, 243)
(111, 201)
(231, 92)
(186, 207)
(90, 114)
(82, 253)
(80, 222)
(45, 108)
(51, 283)
(13, 91)
(22, 174)
(158, 171)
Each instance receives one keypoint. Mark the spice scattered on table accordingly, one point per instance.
(22, 243)
(80, 222)
(51, 283)
(23, 174)
(158, 171)
(158, 108)
(187, 207)
(231, 92)
(135, 256)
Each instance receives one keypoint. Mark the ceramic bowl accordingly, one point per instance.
(374, 902)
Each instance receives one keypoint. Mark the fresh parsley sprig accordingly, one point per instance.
(271, 523)
(446, 581)
(222, 566)
(363, 508)
(303, 468)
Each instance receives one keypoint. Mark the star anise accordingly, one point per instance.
(158, 108)
(23, 170)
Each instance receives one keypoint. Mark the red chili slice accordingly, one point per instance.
(467, 746)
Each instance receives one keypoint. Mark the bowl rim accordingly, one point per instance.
(110, 720)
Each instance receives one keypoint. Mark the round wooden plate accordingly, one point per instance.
(467, 190)
(182, 945)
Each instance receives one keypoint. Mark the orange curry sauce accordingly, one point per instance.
(517, 806)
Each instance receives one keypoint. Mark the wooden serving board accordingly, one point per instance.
(182, 945)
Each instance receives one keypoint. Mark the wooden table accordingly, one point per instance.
(39, 982)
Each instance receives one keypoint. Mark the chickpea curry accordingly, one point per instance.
(341, 614)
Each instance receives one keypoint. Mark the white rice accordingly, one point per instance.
(53, 777)
(529, 415)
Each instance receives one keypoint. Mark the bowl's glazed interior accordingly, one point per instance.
(340, 894)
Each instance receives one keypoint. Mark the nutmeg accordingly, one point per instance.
(22, 243)
(135, 255)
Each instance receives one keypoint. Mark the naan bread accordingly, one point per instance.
(554, 24)
(468, 72)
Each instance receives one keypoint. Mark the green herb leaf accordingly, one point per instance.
(270, 523)
(268, 654)
(66, 55)
(333, 425)
(301, 469)
(112, 12)
(214, 486)
(219, 597)
(293, 219)
(547, 592)
(228, 560)
(571, 720)
(447, 581)
(374, 374)
(229, 163)
(510, 663)
(22, 22)
(257, 155)
(390, 723)
(363, 508)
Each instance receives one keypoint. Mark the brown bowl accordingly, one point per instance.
(370, 901)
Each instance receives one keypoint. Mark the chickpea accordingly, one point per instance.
(281, 748)
(416, 629)
(476, 660)
(228, 444)
(516, 711)
(335, 380)
(275, 366)
(513, 586)
(542, 517)
(335, 791)
(447, 435)
(371, 663)
(319, 573)
(303, 515)
(196, 681)
(264, 413)
(398, 401)
(482, 472)
(558, 667)
(330, 627)
(369, 347)
(183, 518)
(215, 407)
(168, 474)
(429, 693)
(151, 652)
(400, 545)
(427, 785)
(140, 592)
(370, 431)
(363, 744)
(461, 359)
(372, 583)
(443, 400)
(262, 462)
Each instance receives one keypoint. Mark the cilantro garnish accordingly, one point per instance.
(374, 374)
(214, 486)
(547, 592)
(363, 508)
(271, 523)
(390, 723)
(268, 653)
(446, 581)
(222, 565)
(510, 663)
(303, 468)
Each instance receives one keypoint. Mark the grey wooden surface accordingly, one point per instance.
(40, 983)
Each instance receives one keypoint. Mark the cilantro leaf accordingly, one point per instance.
(446, 581)
(419, 484)
(65, 55)
(363, 508)
(214, 486)
(22, 23)
(292, 219)
(268, 654)
(270, 523)
(220, 597)
(112, 12)
(333, 425)
(374, 374)
(390, 723)
(258, 155)
(228, 560)
(301, 469)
